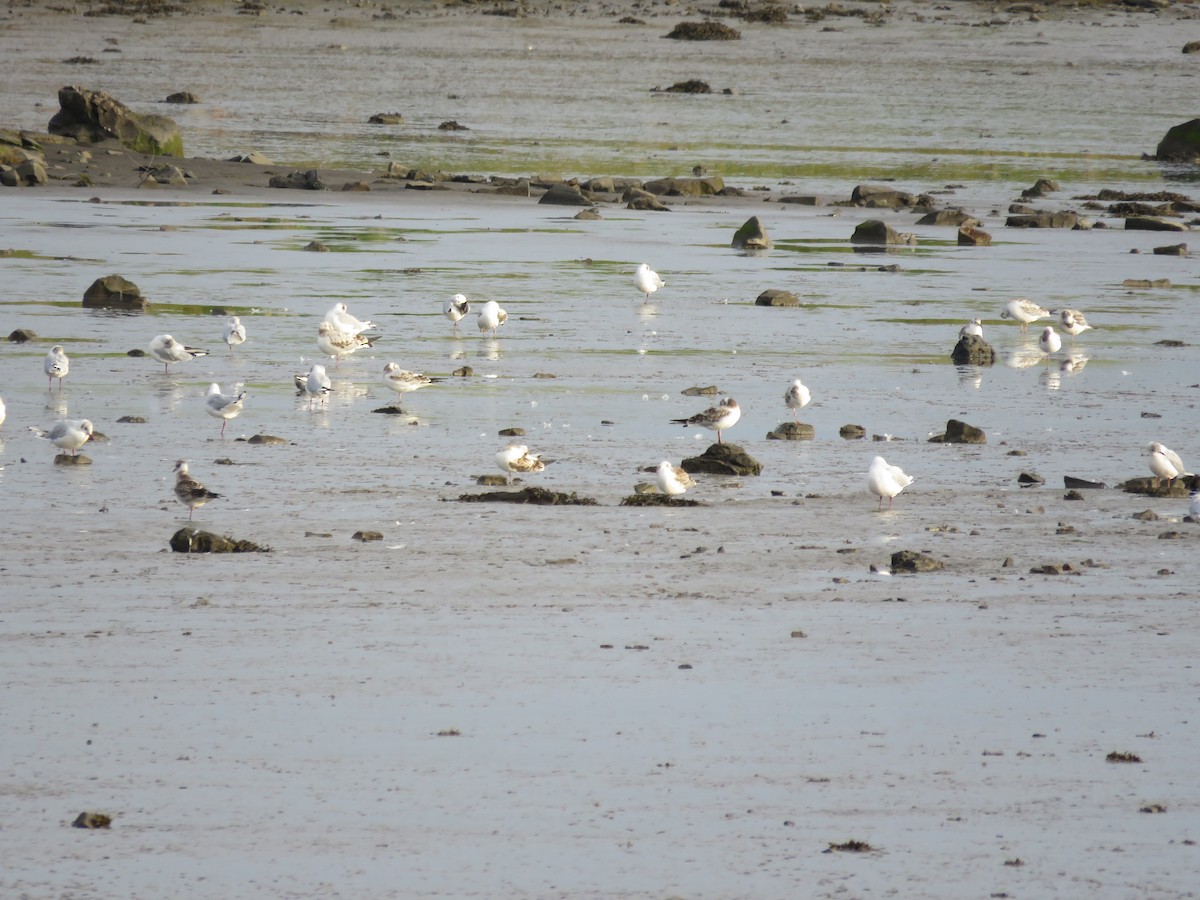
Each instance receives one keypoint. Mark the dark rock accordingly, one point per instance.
(722, 459)
(912, 562)
(1027, 478)
(685, 187)
(358, 186)
(511, 432)
(32, 173)
(776, 297)
(1020, 209)
(114, 292)
(1044, 220)
(636, 198)
(315, 247)
(876, 231)
(493, 481)
(265, 439)
(193, 540)
(972, 350)
(707, 391)
(878, 196)
(67, 459)
(452, 125)
(751, 236)
(386, 119)
(463, 372)
(1181, 143)
(1041, 188)
(184, 97)
(969, 236)
(136, 353)
(1072, 495)
(1153, 223)
(703, 31)
(303, 181)
(1180, 488)
(803, 199)
(1191, 47)
(955, 217)
(958, 432)
(1146, 515)
(566, 195)
(592, 215)
(1082, 484)
(366, 536)
(254, 158)
(533, 495)
(852, 432)
(92, 116)
(1053, 569)
(691, 86)
(389, 411)
(92, 820)
(658, 500)
(1172, 250)
(132, 420)
(21, 335)
(792, 431)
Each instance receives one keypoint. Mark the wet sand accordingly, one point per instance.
(501, 700)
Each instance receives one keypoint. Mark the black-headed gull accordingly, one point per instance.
(1024, 311)
(56, 365)
(455, 308)
(1049, 343)
(491, 317)
(402, 382)
(796, 397)
(69, 434)
(314, 382)
(975, 327)
(884, 480)
(672, 480)
(336, 343)
(235, 332)
(715, 418)
(223, 406)
(167, 350)
(1073, 322)
(646, 280)
(1165, 463)
(517, 458)
(191, 493)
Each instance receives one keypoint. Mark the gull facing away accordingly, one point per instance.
(1049, 342)
(235, 332)
(1024, 311)
(975, 327)
(1073, 322)
(3, 411)
(336, 343)
(167, 350)
(885, 480)
(491, 317)
(314, 382)
(56, 365)
(341, 319)
(402, 382)
(517, 458)
(646, 280)
(455, 308)
(1194, 507)
(672, 480)
(1165, 463)
(191, 493)
(796, 398)
(223, 406)
(68, 434)
(715, 418)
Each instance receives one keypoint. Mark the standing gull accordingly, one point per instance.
(715, 418)
(402, 382)
(517, 458)
(646, 280)
(1194, 507)
(975, 327)
(491, 317)
(336, 343)
(1073, 322)
(672, 480)
(1165, 463)
(315, 383)
(56, 365)
(1024, 311)
(455, 308)
(167, 350)
(796, 398)
(1049, 343)
(884, 480)
(223, 406)
(235, 332)
(3, 411)
(190, 492)
(67, 434)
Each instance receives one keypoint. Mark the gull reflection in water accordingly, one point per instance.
(970, 376)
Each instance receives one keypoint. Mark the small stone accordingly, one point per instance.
(1028, 478)
(132, 420)
(1082, 484)
(92, 820)
(1172, 250)
(315, 247)
(268, 439)
(463, 372)
(911, 561)
(852, 432)
(958, 432)
(511, 432)
(792, 431)
(776, 297)
(1072, 495)
(366, 536)
(1146, 515)
(21, 335)
(709, 391)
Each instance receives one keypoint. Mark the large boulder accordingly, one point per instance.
(1181, 143)
(722, 459)
(972, 350)
(880, 196)
(90, 116)
(114, 292)
(776, 297)
(751, 236)
(876, 231)
(566, 195)
(686, 187)
(1043, 220)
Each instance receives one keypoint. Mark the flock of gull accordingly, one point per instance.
(341, 334)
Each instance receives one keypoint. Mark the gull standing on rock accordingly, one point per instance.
(491, 317)
(672, 480)
(1024, 311)
(885, 480)
(1049, 343)
(235, 332)
(67, 434)
(1165, 463)
(315, 383)
(796, 398)
(56, 365)
(517, 458)
(223, 406)
(975, 327)
(341, 319)
(1073, 322)
(715, 418)
(167, 350)
(646, 280)
(336, 343)
(455, 308)
(191, 493)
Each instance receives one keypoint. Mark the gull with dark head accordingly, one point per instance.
(167, 350)
(190, 492)
(69, 434)
(314, 382)
(1049, 343)
(715, 418)
(796, 397)
(56, 365)
(884, 480)
(336, 343)
(646, 280)
(455, 308)
(223, 406)
(235, 332)
(1073, 322)
(1024, 310)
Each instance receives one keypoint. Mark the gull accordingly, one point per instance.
(455, 308)
(67, 434)
(314, 382)
(646, 280)
(672, 480)
(403, 382)
(1024, 311)
(223, 406)
(56, 365)
(491, 317)
(336, 343)
(517, 458)
(975, 327)
(235, 332)
(796, 398)
(190, 492)
(3, 411)
(341, 319)
(1194, 506)
(1165, 463)
(1073, 322)
(885, 480)
(1049, 342)
(167, 350)
(715, 418)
